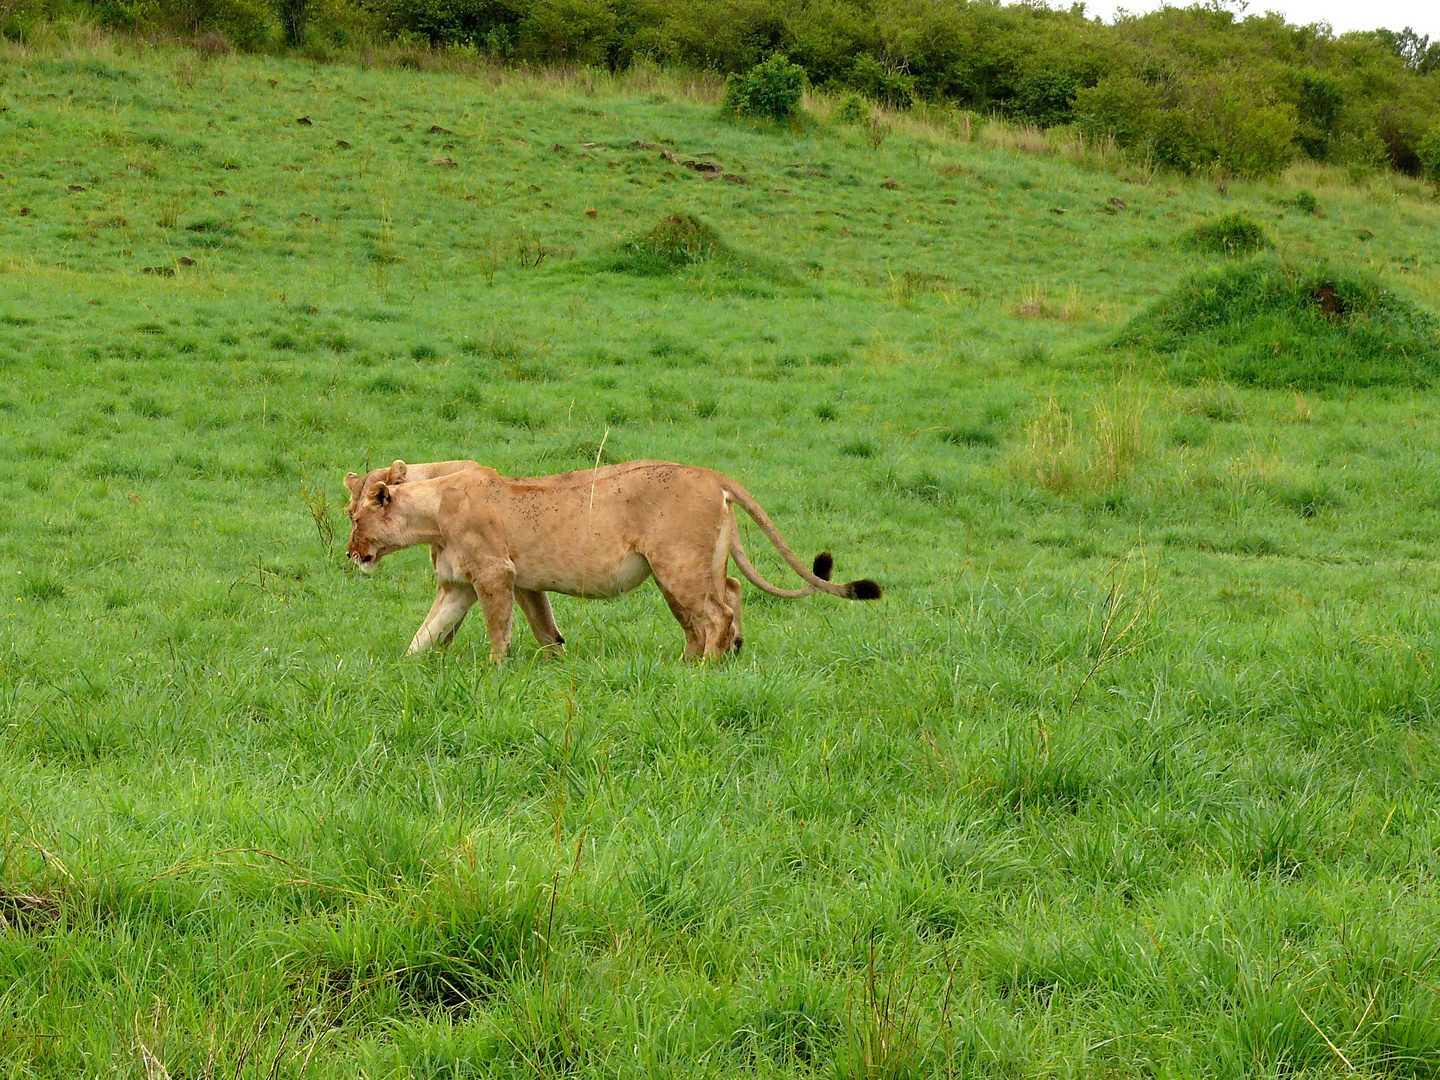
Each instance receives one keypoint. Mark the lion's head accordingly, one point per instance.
(373, 533)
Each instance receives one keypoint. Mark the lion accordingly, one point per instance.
(597, 533)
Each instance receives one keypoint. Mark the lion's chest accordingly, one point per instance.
(447, 566)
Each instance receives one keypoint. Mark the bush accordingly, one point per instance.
(1430, 156)
(886, 83)
(1230, 234)
(1192, 123)
(453, 22)
(1265, 323)
(1319, 104)
(1046, 97)
(771, 90)
(853, 109)
(15, 14)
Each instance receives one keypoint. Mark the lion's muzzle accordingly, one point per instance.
(363, 556)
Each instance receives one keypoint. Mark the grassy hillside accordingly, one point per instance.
(1133, 771)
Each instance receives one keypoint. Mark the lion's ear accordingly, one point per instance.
(397, 473)
(352, 483)
(382, 493)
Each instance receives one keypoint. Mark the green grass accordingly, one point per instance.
(1133, 770)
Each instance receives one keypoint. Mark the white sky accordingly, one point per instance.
(1342, 15)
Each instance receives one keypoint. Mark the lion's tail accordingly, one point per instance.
(817, 577)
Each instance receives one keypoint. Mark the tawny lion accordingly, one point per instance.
(595, 533)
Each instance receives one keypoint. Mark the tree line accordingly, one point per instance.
(1193, 88)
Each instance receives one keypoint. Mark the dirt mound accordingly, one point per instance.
(679, 240)
(1266, 323)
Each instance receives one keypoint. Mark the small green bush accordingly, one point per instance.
(885, 83)
(771, 90)
(1046, 97)
(1230, 234)
(1265, 323)
(1430, 156)
(853, 109)
(1304, 201)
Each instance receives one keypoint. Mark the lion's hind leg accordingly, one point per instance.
(696, 590)
(732, 597)
(688, 619)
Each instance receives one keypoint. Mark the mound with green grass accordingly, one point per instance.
(679, 241)
(682, 244)
(1270, 324)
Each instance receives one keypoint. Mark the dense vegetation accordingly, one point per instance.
(1133, 772)
(1195, 88)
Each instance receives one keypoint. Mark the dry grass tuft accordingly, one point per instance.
(881, 351)
(1035, 303)
(1061, 461)
(1303, 413)
(1026, 138)
(1051, 458)
(1122, 436)
(22, 913)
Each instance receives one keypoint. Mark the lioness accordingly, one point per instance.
(595, 533)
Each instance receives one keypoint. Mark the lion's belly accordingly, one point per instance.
(601, 579)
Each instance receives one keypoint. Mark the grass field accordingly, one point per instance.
(1133, 772)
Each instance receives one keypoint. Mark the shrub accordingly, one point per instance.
(567, 31)
(1230, 234)
(853, 109)
(771, 90)
(1430, 156)
(1046, 97)
(1192, 124)
(1304, 201)
(249, 24)
(1265, 323)
(887, 83)
(1320, 103)
(452, 22)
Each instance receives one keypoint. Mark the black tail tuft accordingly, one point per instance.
(864, 589)
(824, 563)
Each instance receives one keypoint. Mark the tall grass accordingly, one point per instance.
(1116, 439)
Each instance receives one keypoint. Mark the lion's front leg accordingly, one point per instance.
(452, 601)
(494, 583)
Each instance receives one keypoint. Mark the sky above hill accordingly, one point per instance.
(1421, 15)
